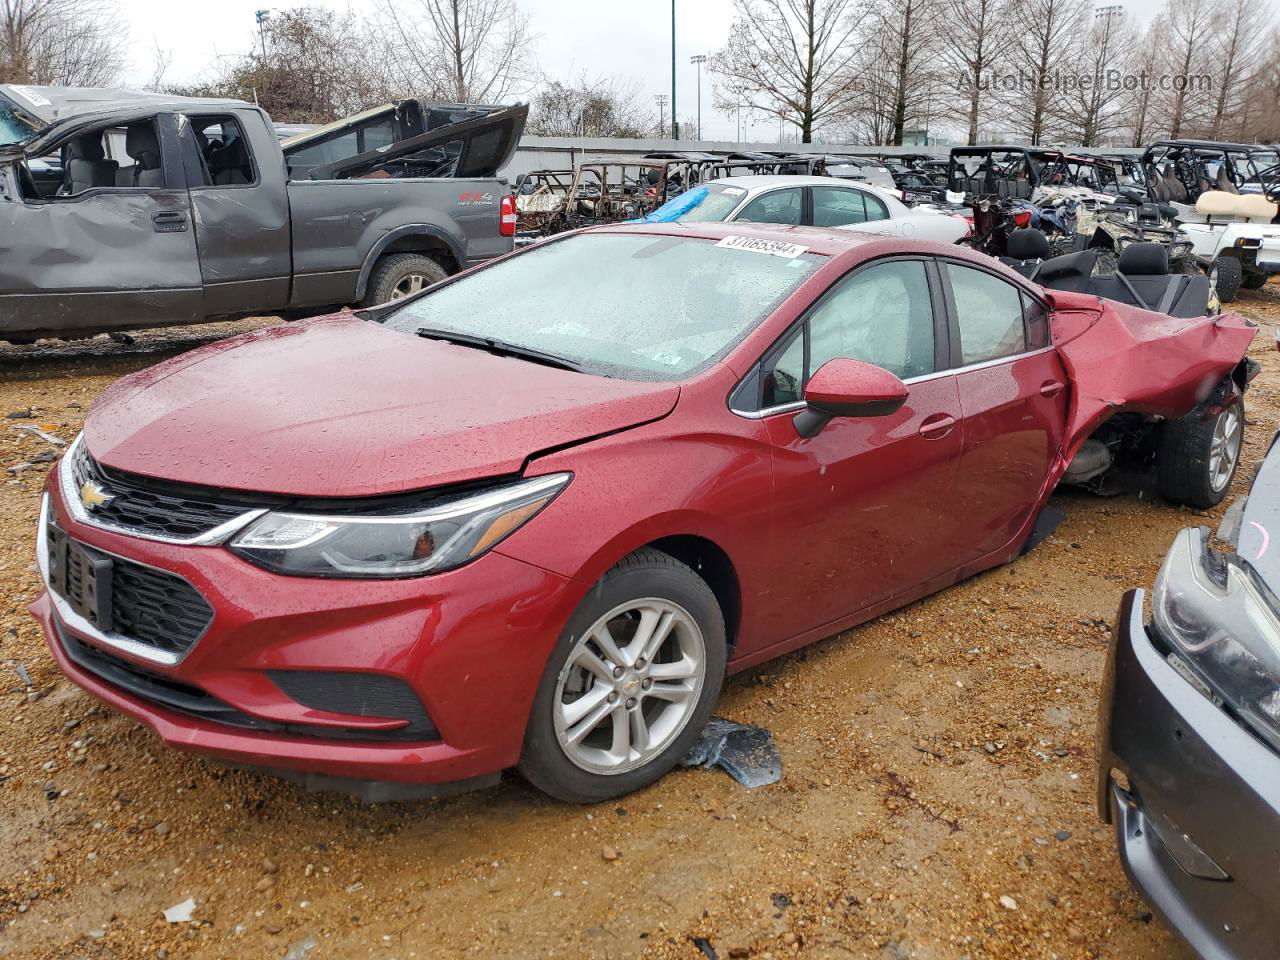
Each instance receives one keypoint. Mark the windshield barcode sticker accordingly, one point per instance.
(774, 248)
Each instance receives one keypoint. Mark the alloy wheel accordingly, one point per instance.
(1224, 449)
(629, 686)
(409, 285)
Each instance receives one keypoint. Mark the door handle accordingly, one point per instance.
(169, 221)
(1051, 388)
(937, 426)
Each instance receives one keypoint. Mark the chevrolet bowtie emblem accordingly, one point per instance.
(93, 496)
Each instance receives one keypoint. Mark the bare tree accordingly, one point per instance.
(899, 48)
(1091, 108)
(978, 39)
(590, 107)
(1140, 108)
(789, 59)
(470, 51)
(1043, 31)
(1237, 48)
(1190, 31)
(78, 43)
(315, 66)
(1265, 90)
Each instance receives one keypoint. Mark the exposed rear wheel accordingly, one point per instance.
(630, 683)
(1197, 459)
(401, 275)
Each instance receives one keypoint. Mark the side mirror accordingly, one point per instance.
(848, 388)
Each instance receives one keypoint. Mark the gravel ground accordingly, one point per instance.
(937, 800)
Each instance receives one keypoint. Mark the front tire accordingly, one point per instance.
(1255, 280)
(1197, 459)
(1228, 275)
(630, 683)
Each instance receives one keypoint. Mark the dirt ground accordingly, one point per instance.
(937, 800)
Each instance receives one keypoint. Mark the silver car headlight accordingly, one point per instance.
(1222, 624)
(430, 539)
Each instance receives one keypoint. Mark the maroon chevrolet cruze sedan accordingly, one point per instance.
(532, 516)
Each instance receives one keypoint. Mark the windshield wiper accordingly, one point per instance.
(500, 348)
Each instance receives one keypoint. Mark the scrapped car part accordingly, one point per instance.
(744, 751)
(1236, 237)
(1187, 713)
(557, 574)
(167, 210)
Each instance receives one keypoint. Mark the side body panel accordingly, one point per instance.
(340, 227)
(1014, 416)
(860, 508)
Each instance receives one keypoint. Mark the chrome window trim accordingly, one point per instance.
(80, 625)
(71, 498)
(797, 405)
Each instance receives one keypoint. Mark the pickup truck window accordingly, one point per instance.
(217, 152)
(102, 159)
(633, 306)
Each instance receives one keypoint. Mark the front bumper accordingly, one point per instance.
(1194, 797)
(471, 643)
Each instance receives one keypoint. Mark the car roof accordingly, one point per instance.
(762, 181)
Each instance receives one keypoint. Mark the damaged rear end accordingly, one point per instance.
(1156, 398)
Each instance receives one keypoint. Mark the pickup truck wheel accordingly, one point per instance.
(1255, 280)
(1197, 459)
(630, 683)
(1227, 275)
(400, 275)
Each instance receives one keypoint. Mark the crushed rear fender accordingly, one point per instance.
(1121, 358)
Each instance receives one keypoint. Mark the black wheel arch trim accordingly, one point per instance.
(399, 233)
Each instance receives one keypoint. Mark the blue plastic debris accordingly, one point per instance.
(677, 206)
(744, 751)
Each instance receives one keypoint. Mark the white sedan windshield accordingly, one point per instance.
(630, 305)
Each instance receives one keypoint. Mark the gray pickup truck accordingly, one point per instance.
(121, 210)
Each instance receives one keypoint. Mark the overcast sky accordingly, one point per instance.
(603, 38)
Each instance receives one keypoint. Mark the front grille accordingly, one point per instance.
(145, 605)
(192, 701)
(150, 506)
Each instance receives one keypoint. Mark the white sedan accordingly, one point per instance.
(809, 201)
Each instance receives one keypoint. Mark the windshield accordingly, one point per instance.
(635, 306)
(710, 203)
(13, 129)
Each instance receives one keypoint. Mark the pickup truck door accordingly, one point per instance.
(235, 175)
(119, 256)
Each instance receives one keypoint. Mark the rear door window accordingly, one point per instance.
(989, 314)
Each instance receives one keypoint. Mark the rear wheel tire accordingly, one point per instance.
(1228, 275)
(1197, 459)
(630, 683)
(401, 275)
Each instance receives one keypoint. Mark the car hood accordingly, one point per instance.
(342, 407)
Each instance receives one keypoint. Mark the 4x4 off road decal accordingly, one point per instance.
(475, 199)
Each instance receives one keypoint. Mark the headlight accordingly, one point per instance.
(1221, 623)
(405, 544)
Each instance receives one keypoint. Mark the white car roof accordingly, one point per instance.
(756, 182)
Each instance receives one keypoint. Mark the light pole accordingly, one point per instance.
(698, 59)
(661, 100)
(675, 124)
(262, 16)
